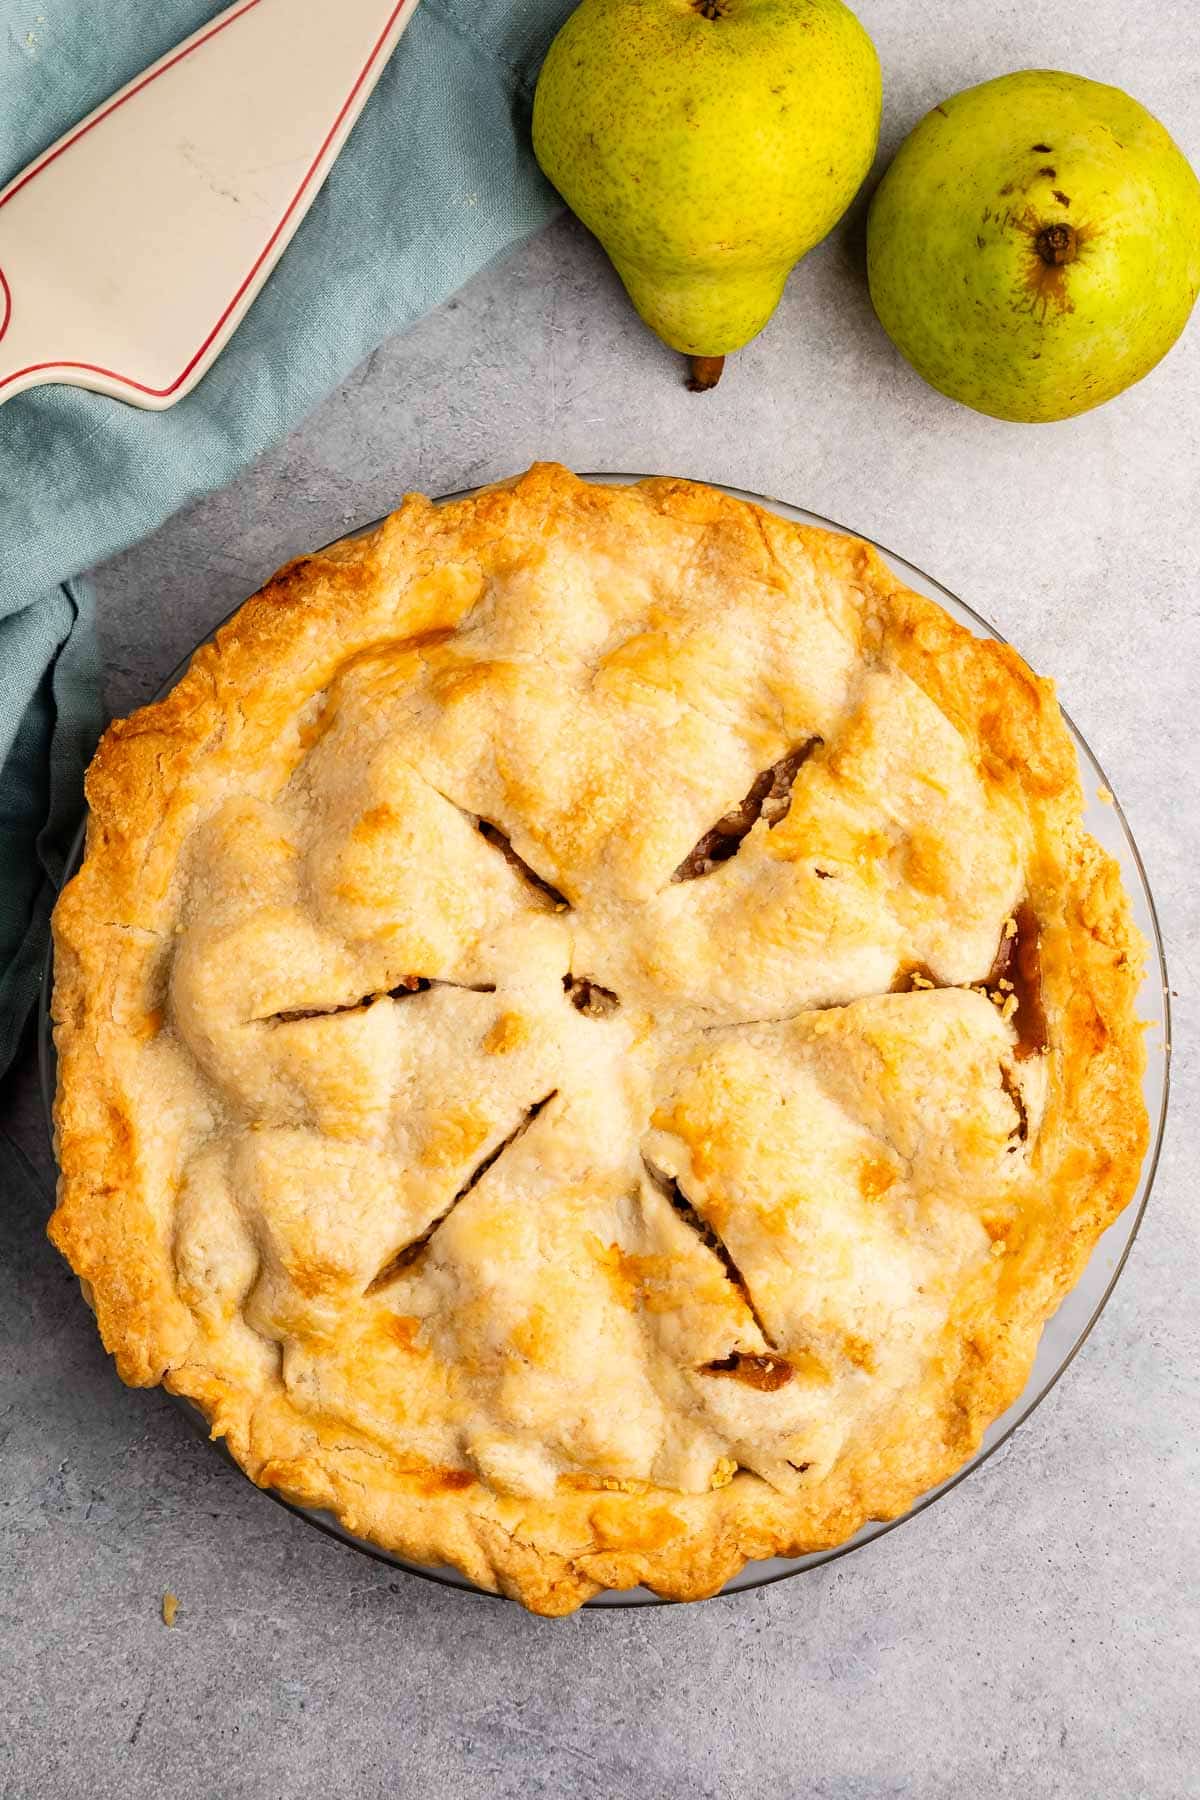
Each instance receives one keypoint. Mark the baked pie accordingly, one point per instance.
(592, 1037)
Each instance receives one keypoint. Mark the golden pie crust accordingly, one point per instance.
(539, 1065)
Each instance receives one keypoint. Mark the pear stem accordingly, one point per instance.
(706, 372)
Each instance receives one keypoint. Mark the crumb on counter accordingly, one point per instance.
(170, 1608)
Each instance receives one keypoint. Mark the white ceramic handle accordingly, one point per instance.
(130, 250)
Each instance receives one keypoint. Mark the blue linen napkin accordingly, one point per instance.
(435, 180)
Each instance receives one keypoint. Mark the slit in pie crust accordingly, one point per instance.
(592, 1037)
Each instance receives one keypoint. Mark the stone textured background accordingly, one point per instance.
(1036, 1632)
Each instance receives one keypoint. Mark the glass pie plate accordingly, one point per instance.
(1066, 1331)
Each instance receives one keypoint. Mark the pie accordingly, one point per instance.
(592, 1037)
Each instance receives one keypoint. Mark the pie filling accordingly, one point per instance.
(493, 835)
(1017, 973)
(708, 1236)
(766, 1373)
(589, 998)
(410, 984)
(1013, 983)
(769, 798)
(407, 1255)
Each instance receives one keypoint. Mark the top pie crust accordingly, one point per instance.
(532, 1210)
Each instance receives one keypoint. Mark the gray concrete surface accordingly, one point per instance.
(1035, 1633)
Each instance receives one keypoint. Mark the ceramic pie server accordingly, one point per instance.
(132, 248)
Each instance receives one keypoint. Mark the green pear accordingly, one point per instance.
(1034, 249)
(708, 144)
